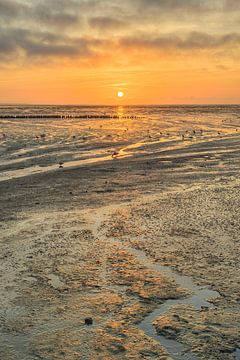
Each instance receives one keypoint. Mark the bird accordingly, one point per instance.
(61, 165)
(114, 154)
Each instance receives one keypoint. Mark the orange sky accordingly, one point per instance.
(85, 51)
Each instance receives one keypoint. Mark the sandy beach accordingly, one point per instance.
(130, 222)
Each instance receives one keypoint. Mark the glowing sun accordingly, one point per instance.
(120, 94)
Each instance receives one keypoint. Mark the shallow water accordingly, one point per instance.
(34, 145)
(237, 354)
(200, 297)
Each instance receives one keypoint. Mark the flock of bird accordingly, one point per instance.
(187, 135)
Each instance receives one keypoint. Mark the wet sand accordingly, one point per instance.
(134, 226)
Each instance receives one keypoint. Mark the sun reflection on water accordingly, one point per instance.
(120, 111)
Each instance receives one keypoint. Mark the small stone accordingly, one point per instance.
(88, 321)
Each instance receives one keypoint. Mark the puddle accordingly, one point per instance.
(95, 157)
(17, 343)
(237, 354)
(7, 175)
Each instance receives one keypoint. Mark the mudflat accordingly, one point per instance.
(133, 227)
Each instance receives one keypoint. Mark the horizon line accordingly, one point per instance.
(116, 105)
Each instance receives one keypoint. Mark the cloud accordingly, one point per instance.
(83, 28)
(45, 44)
(173, 4)
(56, 18)
(50, 13)
(193, 40)
(11, 9)
(107, 23)
(189, 5)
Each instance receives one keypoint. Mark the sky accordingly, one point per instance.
(85, 51)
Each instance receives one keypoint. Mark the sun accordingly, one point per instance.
(120, 94)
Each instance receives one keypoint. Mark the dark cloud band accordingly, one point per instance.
(82, 28)
(193, 40)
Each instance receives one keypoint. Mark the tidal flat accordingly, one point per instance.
(132, 221)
